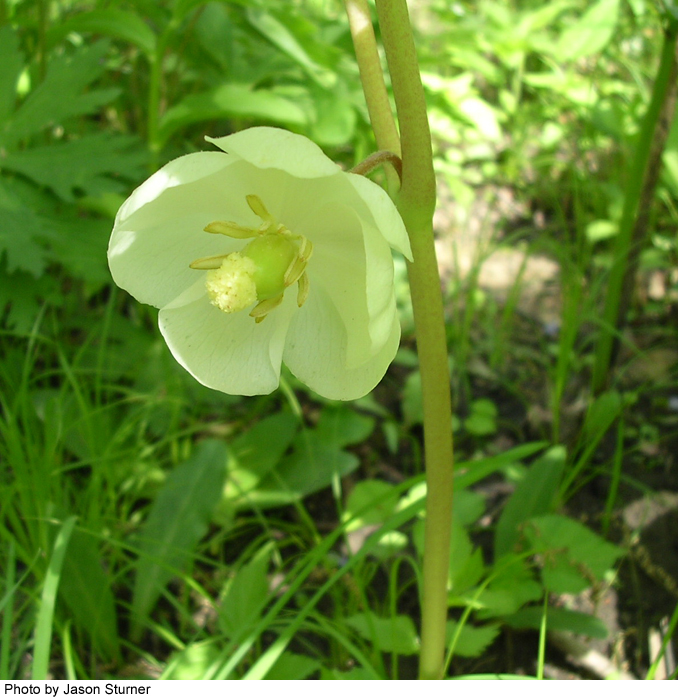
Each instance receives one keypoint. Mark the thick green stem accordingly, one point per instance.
(416, 203)
(643, 176)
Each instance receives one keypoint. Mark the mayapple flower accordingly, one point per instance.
(261, 253)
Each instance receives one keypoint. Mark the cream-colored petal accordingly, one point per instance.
(315, 352)
(226, 352)
(268, 147)
(384, 213)
(338, 268)
(158, 233)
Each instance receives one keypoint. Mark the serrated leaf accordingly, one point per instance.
(574, 557)
(112, 22)
(231, 100)
(80, 165)
(533, 496)
(471, 641)
(19, 227)
(11, 62)
(60, 95)
(178, 519)
(395, 634)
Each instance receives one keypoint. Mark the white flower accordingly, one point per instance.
(289, 216)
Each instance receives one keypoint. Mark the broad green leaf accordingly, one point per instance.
(559, 619)
(228, 101)
(342, 426)
(335, 120)
(255, 453)
(395, 634)
(380, 496)
(11, 62)
(244, 596)
(60, 95)
(86, 589)
(482, 420)
(292, 667)
(193, 662)
(574, 557)
(533, 496)
(112, 22)
(178, 519)
(312, 467)
(83, 165)
(591, 33)
(472, 641)
(355, 674)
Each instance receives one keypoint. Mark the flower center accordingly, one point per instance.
(261, 271)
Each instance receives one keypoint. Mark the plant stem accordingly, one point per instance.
(416, 203)
(374, 87)
(643, 176)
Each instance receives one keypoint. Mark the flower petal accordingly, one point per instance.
(384, 213)
(338, 268)
(226, 352)
(267, 147)
(159, 230)
(315, 352)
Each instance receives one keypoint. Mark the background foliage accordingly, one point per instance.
(195, 535)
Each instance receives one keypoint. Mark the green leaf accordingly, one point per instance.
(281, 37)
(255, 453)
(533, 496)
(512, 586)
(112, 22)
(244, 596)
(228, 101)
(80, 165)
(395, 634)
(472, 641)
(574, 557)
(342, 426)
(86, 589)
(60, 95)
(312, 467)
(591, 33)
(292, 667)
(19, 227)
(482, 420)
(178, 519)
(192, 662)
(370, 491)
(559, 619)
(11, 62)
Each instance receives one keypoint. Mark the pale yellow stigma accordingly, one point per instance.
(231, 287)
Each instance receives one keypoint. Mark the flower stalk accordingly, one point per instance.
(416, 203)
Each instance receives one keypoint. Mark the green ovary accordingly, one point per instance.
(272, 255)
